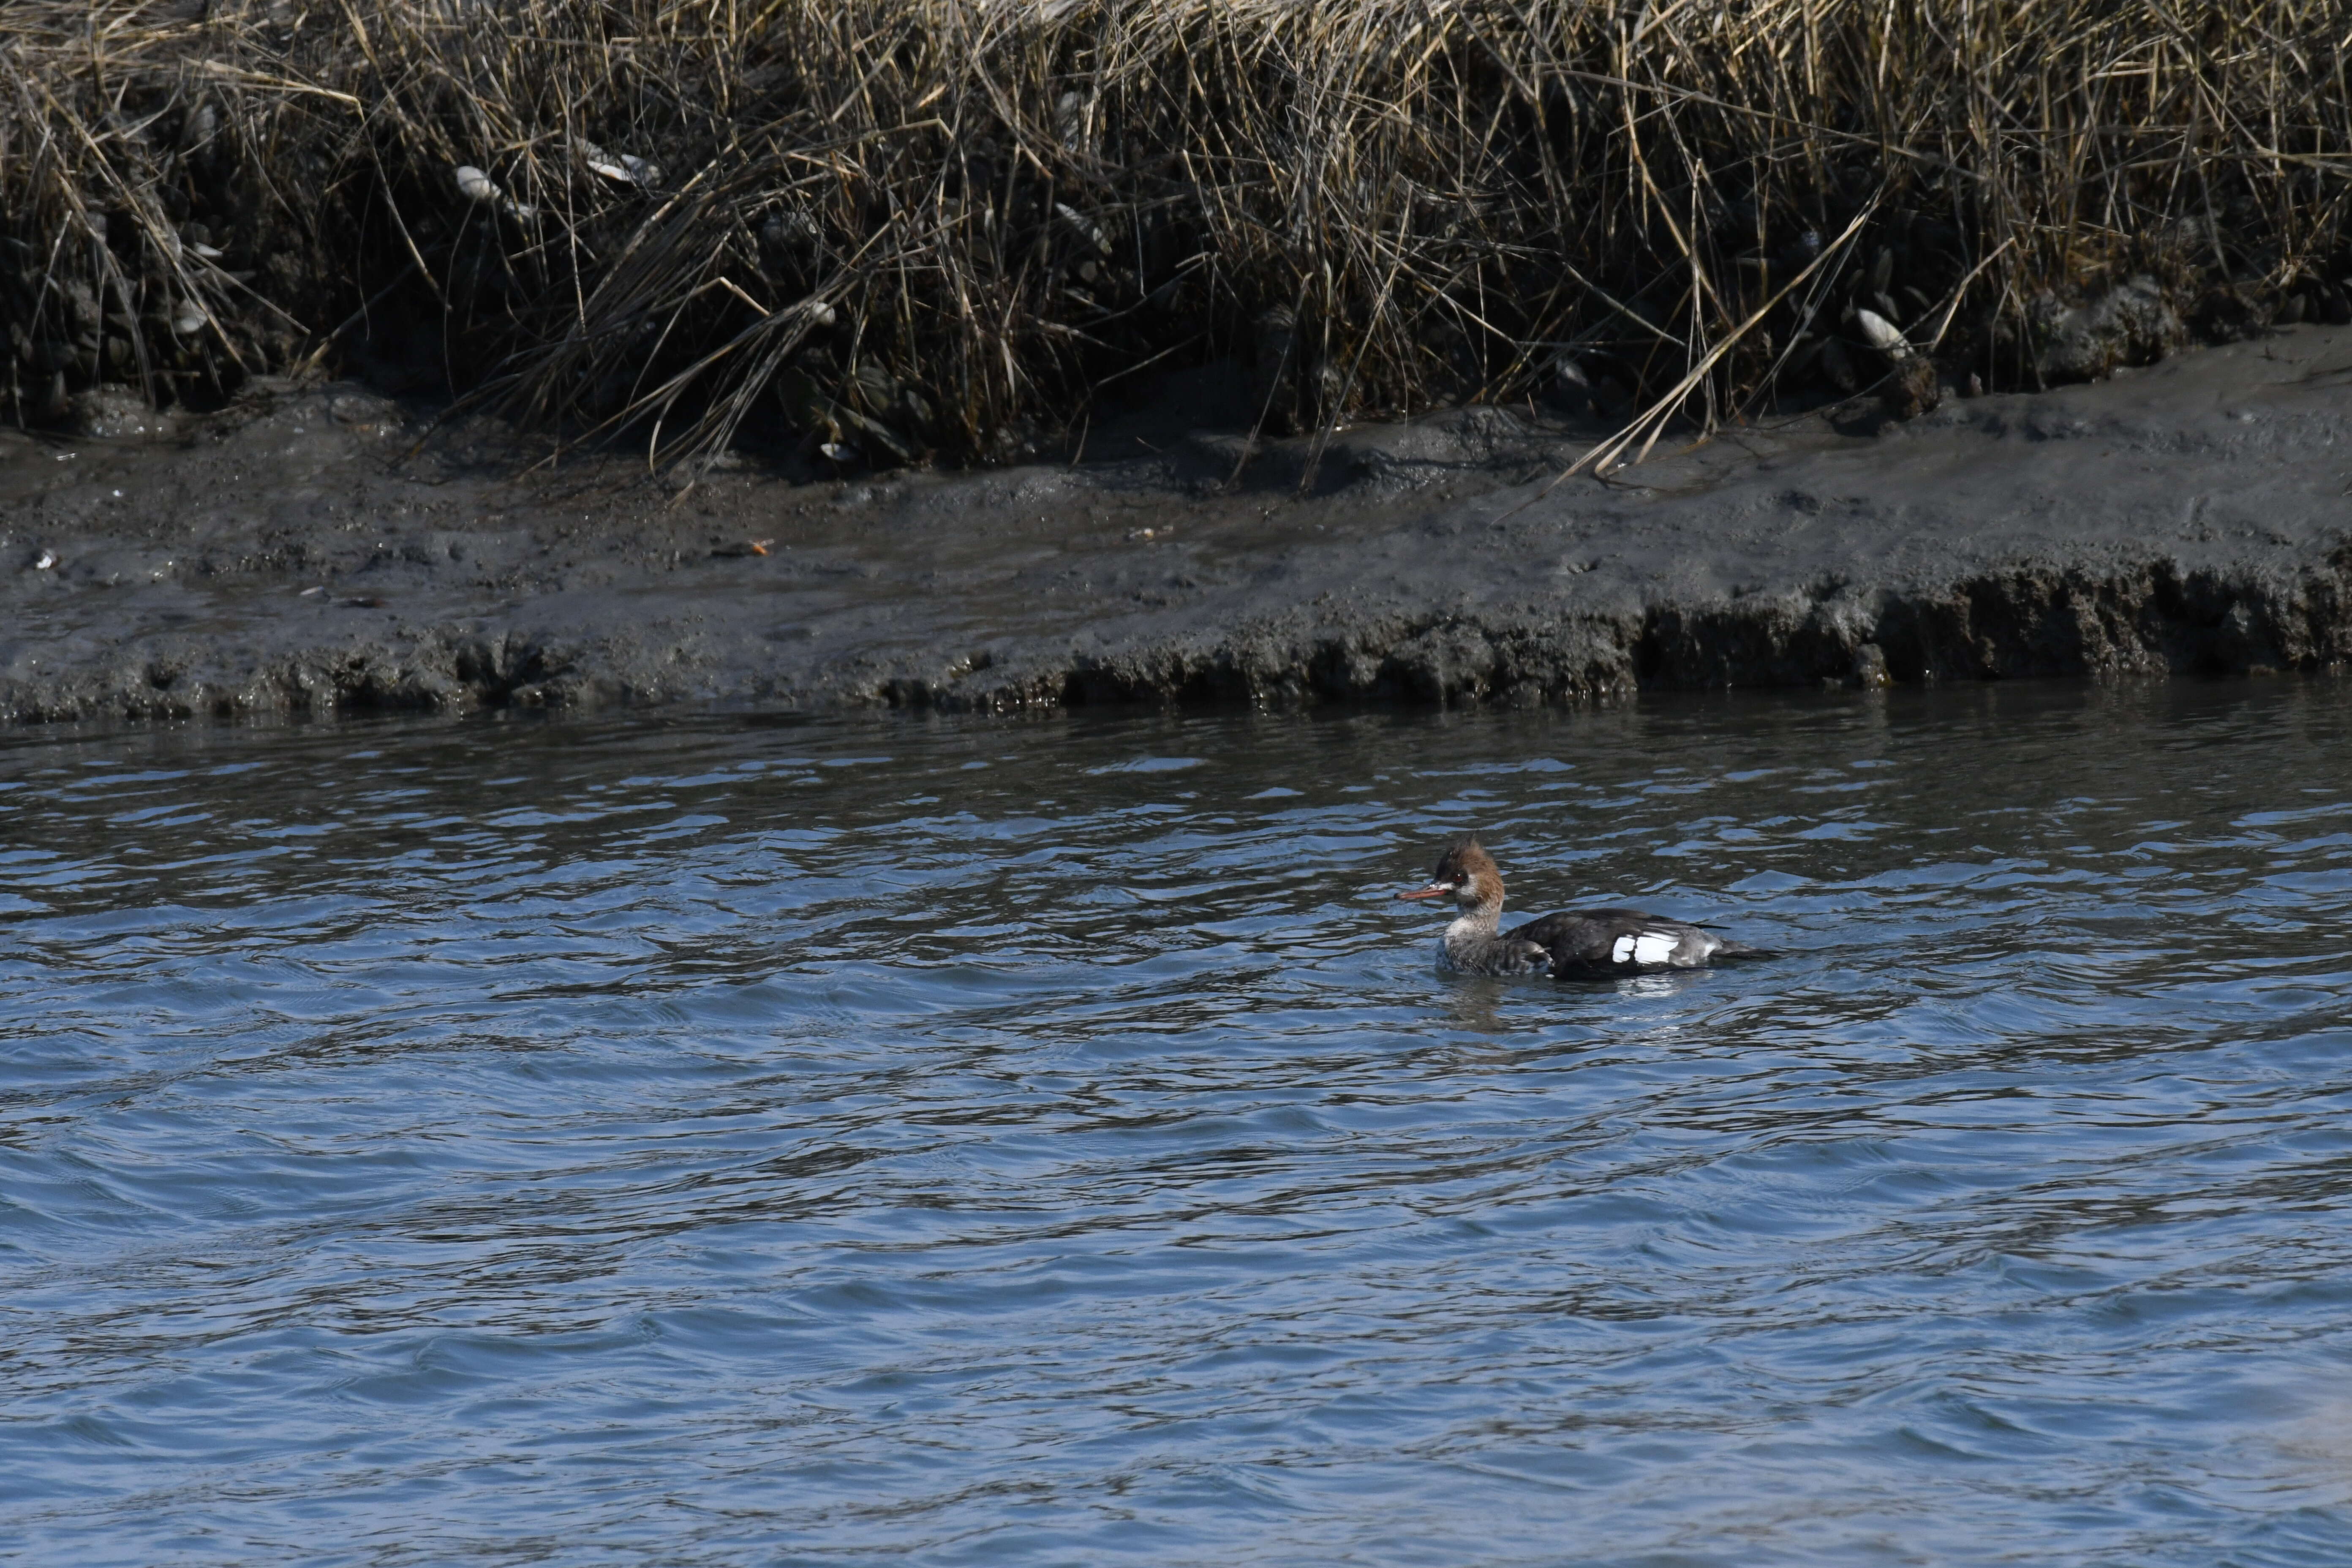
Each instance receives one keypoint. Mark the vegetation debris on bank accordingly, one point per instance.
(884, 229)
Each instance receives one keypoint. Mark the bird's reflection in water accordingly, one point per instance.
(1651, 987)
(1476, 1002)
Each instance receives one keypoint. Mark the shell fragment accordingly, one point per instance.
(1882, 334)
(477, 186)
(625, 167)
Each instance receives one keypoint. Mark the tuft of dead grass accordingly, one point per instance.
(901, 228)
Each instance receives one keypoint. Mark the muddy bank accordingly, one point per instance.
(294, 555)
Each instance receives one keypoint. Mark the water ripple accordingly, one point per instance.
(721, 1141)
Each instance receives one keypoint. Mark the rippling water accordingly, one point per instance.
(1046, 1142)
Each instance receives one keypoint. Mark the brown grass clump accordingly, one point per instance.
(905, 226)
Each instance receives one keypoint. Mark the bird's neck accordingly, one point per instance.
(1475, 920)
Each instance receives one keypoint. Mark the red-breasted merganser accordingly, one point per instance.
(1575, 944)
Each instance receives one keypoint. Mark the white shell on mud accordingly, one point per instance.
(475, 185)
(1884, 335)
(625, 167)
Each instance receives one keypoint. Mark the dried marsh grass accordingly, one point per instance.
(907, 227)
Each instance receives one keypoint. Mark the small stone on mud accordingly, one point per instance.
(118, 413)
(365, 412)
(2133, 323)
(1911, 388)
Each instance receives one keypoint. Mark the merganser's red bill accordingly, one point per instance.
(1434, 890)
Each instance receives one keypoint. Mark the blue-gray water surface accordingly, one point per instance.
(710, 1141)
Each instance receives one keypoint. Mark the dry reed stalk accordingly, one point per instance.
(902, 226)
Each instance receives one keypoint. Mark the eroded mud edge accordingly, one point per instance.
(2191, 519)
(2150, 621)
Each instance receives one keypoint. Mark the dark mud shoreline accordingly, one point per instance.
(295, 555)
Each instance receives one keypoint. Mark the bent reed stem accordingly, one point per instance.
(939, 227)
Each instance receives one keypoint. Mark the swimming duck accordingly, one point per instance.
(1574, 944)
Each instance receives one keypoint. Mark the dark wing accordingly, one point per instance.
(1585, 942)
(1582, 939)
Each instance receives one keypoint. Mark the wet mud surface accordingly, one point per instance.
(302, 554)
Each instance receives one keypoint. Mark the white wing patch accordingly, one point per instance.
(1652, 946)
(1623, 951)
